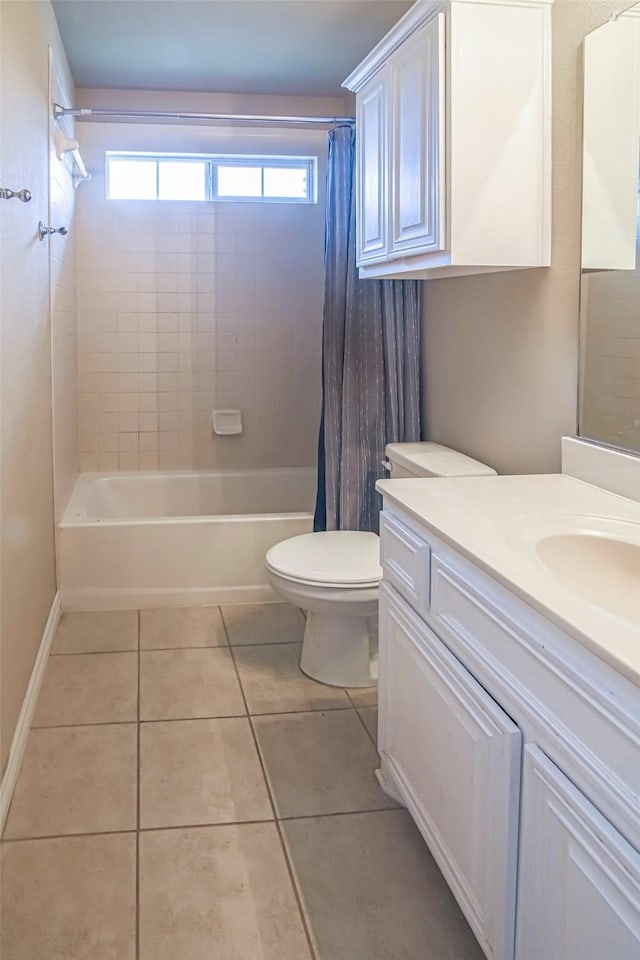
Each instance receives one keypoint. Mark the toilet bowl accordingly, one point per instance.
(334, 576)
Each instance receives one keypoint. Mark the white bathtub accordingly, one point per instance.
(156, 539)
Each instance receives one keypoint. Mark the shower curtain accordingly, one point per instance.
(370, 362)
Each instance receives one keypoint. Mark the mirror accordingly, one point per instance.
(609, 403)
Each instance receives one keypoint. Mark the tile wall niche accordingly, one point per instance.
(63, 299)
(187, 307)
(611, 356)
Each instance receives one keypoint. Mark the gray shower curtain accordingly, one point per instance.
(370, 364)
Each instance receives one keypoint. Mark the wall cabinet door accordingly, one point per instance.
(416, 83)
(455, 757)
(371, 167)
(579, 879)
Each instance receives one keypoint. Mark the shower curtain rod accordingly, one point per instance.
(83, 113)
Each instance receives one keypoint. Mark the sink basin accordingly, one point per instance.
(604, 569)
(596, 557)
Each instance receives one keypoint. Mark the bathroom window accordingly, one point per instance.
(178, 177)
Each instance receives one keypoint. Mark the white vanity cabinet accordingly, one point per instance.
(579, 879)
(453, 130)
(517, 752)
(456, 755)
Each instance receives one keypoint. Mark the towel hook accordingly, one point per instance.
(7, 194)
(46, 231)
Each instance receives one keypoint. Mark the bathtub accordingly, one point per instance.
(130, 540)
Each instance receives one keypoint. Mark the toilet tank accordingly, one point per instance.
(428, 459)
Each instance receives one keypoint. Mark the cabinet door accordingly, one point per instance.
(371, 170)
(455, 757)
(416, 80)
(579, 879)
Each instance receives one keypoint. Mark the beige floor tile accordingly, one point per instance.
(217, 893)
(371, 890)
(88, 688)
(71, 898)
(319, 763)
(174, 627)
(364, 696)
(200, 771)
(104, 631)
(273, 682)
(370, 718)
(185, 684)
(249, 623)
(76, 780)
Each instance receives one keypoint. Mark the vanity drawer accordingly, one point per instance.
(406, 561)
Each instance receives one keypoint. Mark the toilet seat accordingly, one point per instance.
(345, 559)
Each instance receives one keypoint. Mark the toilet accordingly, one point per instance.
(334, 576)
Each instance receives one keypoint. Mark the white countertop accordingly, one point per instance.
(497, 521)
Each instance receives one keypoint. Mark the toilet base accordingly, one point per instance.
(341, 651)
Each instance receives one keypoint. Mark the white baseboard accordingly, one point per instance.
(23, 725)
(140, 599)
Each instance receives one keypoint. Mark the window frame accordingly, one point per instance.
(212, 162)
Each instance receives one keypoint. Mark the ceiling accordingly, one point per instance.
(304, 47)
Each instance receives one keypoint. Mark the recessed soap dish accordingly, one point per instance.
(227, 423)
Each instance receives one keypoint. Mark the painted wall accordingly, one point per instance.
(27, 565)
(186, 307)
(501, 351)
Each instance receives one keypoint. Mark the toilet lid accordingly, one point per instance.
(347, 557)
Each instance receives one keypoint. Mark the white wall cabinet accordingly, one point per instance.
(611, 144)
(370, 152)
(459, 176)
(415, 76)
(472, 681)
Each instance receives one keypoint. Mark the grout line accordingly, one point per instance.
(340, 813)
(75, 726)
(186, 646)
(138, 804)
(271, 713)
(308, 712)
(368, 732)
(281, 643)
(296, 892)
(92, 653)
(70, 836)
(273, 810)
(228, 716)
(206, 825)
(201, 826)
(87, 723)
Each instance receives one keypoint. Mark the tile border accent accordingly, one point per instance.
(27, 710)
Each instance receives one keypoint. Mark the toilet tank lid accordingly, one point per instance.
(428, 459)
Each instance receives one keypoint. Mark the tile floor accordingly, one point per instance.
(188, 794)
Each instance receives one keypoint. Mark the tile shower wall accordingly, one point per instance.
(63, 299)
(187, 307)
(611, 383)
